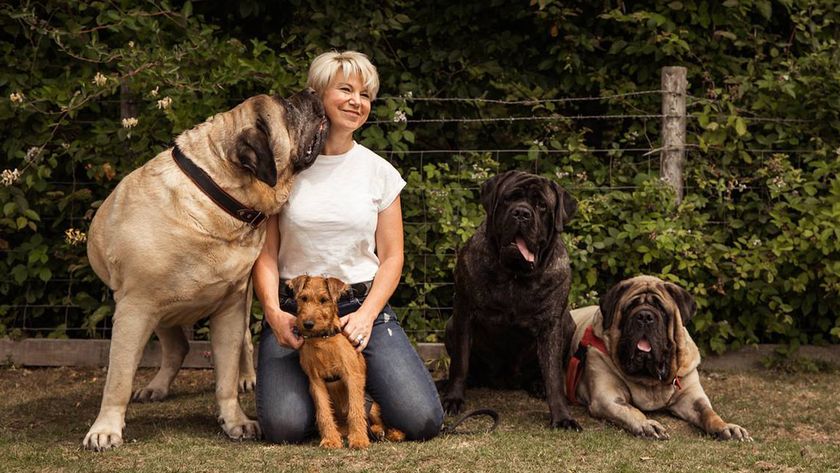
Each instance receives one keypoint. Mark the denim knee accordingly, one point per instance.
(279, 429)
(422, 424)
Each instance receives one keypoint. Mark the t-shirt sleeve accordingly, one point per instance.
(391, 185)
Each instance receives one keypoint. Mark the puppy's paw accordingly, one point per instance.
(566, 424)
(149, 394)
(650, 429)
(377, 431)
(733, 432)
(394, 435)
(333, 441)
(358, 441)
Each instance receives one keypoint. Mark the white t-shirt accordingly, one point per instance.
(328, 226)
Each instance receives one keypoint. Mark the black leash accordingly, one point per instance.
(450, 429)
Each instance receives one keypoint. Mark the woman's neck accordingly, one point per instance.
(338, 143)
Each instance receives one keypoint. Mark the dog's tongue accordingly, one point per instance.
(643, 345)
(526, 253)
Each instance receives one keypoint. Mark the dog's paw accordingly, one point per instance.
(149, 394)
(247, 383)
(566, 424)
(733, 432)
(331, 442)
(650, 429)
(453, 404)
(102, 436)
(244, 429)
(358, 441)
(377, 431)
(394, 435)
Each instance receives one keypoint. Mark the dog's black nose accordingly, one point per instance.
(646, 317)
(308, 324)
(522, 214)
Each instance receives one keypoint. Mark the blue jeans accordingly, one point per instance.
(397, 379)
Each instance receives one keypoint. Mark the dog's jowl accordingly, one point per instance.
(176, 239)
(512, 280)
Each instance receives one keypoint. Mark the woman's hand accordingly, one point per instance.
(357, 327)
(283, 324)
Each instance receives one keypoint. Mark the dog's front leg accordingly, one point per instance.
(133, 325)
(693, 406)
(356, 416)
(458, 341)
(610, 400)
(330, 437)
(550, 351)
(226, 332)
(247, 374)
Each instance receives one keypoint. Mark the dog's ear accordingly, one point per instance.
(684, 300)
(336, 287)
(253, 152)
(491, 188)
(565, 208)
(610, 300)
(297, 284)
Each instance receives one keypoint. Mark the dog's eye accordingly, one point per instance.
(304, 298)
(541, 206)
(323, 300)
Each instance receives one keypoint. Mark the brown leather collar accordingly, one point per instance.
(200, 178)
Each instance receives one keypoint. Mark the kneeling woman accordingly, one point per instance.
(343, 219)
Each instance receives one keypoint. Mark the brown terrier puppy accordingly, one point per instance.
(336, 371)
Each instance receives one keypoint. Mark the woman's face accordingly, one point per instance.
(347, 103)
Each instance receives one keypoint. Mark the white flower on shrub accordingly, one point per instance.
(17, 97)
(755, 242)
(154, 92)
(9, 176)
(164, 103)
(74, 236)
(32, 154)
(399, 116)
(100, 79)
(129, 122)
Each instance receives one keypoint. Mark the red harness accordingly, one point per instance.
(578, 361)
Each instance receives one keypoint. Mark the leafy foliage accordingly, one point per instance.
(755, 238)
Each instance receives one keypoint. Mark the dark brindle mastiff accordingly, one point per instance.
(511, 321)
(173, 256)
(646, 361)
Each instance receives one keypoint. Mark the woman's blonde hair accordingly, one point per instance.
(325, 66)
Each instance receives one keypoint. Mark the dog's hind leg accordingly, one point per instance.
(133, 324)
(174, 348)
(247, 373)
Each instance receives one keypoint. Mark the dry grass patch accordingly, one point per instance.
(46, 413)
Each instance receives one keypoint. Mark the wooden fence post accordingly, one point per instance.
(672, 157)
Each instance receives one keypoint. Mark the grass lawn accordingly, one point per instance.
(794, 418)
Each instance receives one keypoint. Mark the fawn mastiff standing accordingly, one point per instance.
(512, 280)
(634, 354)
(174, 253)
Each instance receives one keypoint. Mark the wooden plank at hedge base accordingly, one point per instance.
(52, 352)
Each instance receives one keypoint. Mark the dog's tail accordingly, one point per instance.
(492, 414)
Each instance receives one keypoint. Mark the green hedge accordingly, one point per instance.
(755, 239)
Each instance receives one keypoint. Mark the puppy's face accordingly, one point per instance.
(525, 213)
(317, 301)
(644, 318)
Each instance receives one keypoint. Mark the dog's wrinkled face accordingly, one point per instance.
(525, 214)
(317, 302)
(284, 131)
(645, 317)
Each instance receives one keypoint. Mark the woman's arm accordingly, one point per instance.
(389, 249)
(267, 284)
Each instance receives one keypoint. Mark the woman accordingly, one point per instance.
(343, 219)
